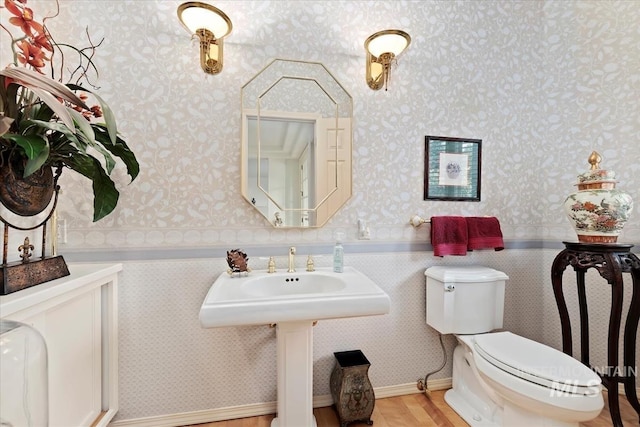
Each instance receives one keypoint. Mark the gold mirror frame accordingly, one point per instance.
(299, 182)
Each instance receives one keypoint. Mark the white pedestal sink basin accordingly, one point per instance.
(293, 301)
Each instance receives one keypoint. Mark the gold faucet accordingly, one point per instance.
(292, 264)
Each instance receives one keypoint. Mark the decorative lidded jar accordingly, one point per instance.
(598, 211)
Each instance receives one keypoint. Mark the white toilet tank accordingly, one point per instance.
(464, 299)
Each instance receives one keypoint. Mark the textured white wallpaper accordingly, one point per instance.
(542, 83)
(169, 364)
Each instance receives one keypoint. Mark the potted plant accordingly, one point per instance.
(47, 124)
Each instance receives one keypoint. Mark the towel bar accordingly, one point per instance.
(417, 221)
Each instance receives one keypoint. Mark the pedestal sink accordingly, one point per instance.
(293, 301)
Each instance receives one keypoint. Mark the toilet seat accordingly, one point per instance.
(536, 362)
(562, 401)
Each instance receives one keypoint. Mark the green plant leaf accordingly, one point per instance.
(35, 147)
(61, 149)
(119, 149)
(8, 97)
(61, 129)
(32, 145)
(61, 110)
(109, 162)
(107, 113)
(42, 112)
(36, 163)
(88, 136)
(83, 125)
(109, 119)
(105, 194)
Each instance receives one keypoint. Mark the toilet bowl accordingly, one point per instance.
(500, 378)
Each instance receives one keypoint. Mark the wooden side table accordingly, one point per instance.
(610, 260)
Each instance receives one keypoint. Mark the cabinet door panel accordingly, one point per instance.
(73, 335)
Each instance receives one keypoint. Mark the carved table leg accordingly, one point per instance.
(630, 331)
(559, 265)
(584, 318)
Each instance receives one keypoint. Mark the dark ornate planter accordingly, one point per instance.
(351, 389)
(25, 196)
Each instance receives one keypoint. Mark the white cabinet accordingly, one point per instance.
(78, 317)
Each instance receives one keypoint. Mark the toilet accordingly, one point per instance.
(500, 378)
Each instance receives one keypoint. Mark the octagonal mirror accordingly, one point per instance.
(296, 143)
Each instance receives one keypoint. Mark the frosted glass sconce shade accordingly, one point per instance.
(211, 25)
(382, 49)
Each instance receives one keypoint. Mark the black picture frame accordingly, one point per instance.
(452, 168)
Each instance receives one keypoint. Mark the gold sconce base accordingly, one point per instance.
(210, 52)
(379, 70)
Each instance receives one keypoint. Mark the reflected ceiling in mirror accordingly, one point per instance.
(296, 143)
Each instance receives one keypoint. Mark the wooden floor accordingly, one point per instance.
(415, 410)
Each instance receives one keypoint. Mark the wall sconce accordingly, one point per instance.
(382, 48)
(211, 25)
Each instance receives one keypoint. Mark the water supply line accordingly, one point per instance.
(422, 384)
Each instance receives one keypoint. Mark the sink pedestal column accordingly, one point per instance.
(294, 342)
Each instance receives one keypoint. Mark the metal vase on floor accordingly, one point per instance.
(351, 389)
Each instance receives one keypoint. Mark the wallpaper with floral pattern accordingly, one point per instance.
(541, 83)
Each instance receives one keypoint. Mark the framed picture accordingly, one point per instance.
(452, 168)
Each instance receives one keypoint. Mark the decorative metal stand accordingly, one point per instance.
(30, 272)
(610, 261)
(351, 389)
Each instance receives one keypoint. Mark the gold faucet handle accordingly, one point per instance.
(292, 262)
(271, 265)
(310, 266)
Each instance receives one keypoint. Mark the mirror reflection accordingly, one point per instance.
(296, 144)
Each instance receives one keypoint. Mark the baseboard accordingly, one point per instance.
(199, 417)
(255, 409)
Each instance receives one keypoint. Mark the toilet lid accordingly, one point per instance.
(535, 362)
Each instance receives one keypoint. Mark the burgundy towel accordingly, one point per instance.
(449, 235)
(484, 233)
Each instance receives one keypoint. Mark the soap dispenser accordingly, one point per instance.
(338, 254)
